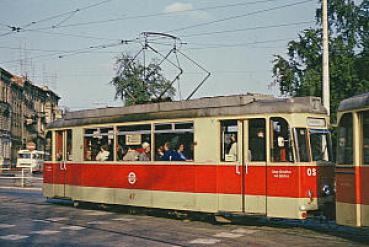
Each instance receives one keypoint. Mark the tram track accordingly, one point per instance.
(273, 227)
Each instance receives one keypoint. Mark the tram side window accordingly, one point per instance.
(281, 148)
(366, 137)
(229, 146)
(345, 140)
(174, 142)
(257, 141)
(98, 144)
(69, 145)
(134, 143)
(59, 145)
(48, 146)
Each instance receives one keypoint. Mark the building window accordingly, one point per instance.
(134, 143)
(98, 144)
(229, 144)
(174, 142)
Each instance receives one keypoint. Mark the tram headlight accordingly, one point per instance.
(326, 190)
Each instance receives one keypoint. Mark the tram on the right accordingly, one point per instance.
(352, 169)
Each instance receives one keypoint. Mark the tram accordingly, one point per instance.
(352, 171)
(244, 154)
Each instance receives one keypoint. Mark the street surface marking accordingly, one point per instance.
(205, 241)
(97, 213)
(20, 188)
(98, 222)
(73, 228)
(2, 226)
(45, 232)
(43, 221)
(57, 219)
(227, 235)
(245, 231)
(13, 237)
(123, 219)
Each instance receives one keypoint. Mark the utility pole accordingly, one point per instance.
(326, 87)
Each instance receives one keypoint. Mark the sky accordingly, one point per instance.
(72, 45)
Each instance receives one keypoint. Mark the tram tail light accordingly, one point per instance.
(303, 215)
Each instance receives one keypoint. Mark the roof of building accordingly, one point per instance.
(355, 102)
(203, 107)
(21, 81)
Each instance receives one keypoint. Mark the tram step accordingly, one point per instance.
(239, 214)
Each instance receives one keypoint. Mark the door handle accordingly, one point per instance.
(65, 165)
(61, 166)
(238, 172)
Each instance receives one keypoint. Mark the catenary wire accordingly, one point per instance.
(239, 16)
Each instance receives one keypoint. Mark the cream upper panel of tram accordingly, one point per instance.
(206, 132)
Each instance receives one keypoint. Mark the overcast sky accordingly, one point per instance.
(71, 45)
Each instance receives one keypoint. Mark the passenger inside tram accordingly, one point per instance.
(181, 152)
(145, 155)
(104, 154)
(131, 155)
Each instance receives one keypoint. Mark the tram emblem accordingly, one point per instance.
(132, 178)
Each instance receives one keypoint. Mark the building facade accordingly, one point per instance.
(25, 110)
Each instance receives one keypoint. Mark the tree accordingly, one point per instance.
(300, 74)
(138, 84)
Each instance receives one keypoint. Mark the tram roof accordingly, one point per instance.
(355, 102)
(202, 107)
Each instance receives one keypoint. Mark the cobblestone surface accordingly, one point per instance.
(28, 219)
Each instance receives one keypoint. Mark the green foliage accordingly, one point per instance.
(138, 84)
(300, 73)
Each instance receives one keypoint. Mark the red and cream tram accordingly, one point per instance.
(352, 170)
(250, 154)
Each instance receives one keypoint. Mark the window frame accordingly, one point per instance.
(119, 133)
(173, 129)
(290, 141)
(223, 153)
(362, 123)
(338, 161)
(109, 127)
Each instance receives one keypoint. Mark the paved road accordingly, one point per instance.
(11, 178)
(27, 219)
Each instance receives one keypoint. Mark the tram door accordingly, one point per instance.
(63, 141)
(254, 172)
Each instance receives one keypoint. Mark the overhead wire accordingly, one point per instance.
(68, 13)
(63, 54)
(73, 35)
(216, 46)
(246, 29)
(159, 14)
(239, 16)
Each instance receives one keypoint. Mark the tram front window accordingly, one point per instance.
(321, 146)
(301, 144)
